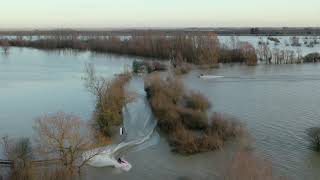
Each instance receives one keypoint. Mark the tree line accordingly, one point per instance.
(204, 49)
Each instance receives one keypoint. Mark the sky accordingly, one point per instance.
(158, 13)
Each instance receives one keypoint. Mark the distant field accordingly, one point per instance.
(220, 31)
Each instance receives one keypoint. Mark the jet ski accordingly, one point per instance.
(104, 158)
(123, 164)
(202, 76)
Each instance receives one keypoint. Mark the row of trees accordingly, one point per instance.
(277, 56)
(236, 51)
(195, 49)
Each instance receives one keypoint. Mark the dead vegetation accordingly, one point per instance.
(183, 116)
(64, 137)
(182, 49)
(57, 151)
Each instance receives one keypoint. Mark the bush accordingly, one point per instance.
(224, 127)
(138, 66)
(182, 68)
(183, 142)
(197, 101)
(108, 111)
(274, 39)
(194, 120)
(182, 115)
(312, 57)
(314, 138)
(249, 53)
(148, 66)
(111, 97)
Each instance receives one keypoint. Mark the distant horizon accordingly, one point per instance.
(49, 14)
(153, 28)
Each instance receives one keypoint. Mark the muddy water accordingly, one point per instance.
(277, 103)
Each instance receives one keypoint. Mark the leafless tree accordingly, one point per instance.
(276, 55)
(264, 53)
(64, 137)
(249, 53)
(282, 56)
(299, 55)
(292, 56)
(208, 49)
(234, 42)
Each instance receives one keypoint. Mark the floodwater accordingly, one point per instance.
(276, 102)
(284, 42)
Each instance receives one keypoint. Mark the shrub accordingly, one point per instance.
(138, 66)
(182, 115)
(197, 101)
(158, 66)
(249, 54)
(194, 120)
(146, 66)
(183, 141)
(314, 138)
(111, 97)
(312, 57)
(274, 39)
(108, 111)
(226, 128)
(182, 68)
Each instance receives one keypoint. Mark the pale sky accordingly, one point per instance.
(157, 13)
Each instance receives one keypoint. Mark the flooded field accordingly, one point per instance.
(276, 102)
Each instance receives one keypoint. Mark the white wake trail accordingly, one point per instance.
(139, 125)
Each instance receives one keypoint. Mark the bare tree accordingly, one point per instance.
(299, 55)
(264, 53)
(276, 55)
(282, 56)
(65, 138)
(249, 53)
(234, 42)
(208, 49)
(292, 56)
